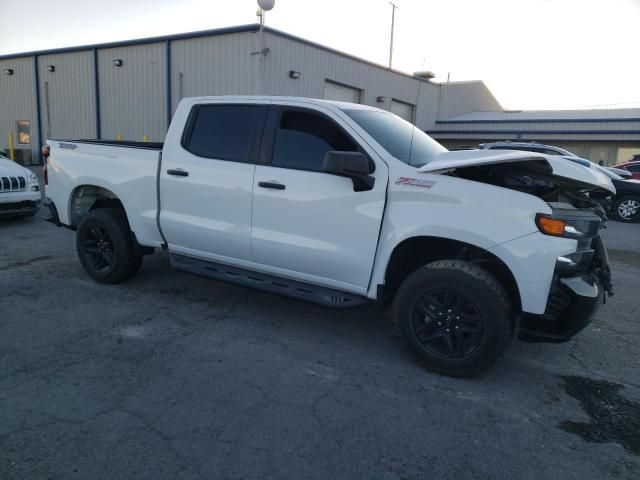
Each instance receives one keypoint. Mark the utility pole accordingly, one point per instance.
(393, 24)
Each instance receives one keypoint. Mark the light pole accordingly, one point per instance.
(393, 24)
(263, 7)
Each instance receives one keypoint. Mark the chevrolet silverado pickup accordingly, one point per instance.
(343, 204)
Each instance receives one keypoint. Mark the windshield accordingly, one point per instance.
(398, 137)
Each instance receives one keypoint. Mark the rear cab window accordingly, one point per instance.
(225, 132)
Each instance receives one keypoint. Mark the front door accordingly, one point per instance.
(206, 181)
(311, 225)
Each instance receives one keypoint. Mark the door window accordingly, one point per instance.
(633, 168)
(303, 138)
(225, 132)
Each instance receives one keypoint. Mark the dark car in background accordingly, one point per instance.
(625, 205)
(632, 166)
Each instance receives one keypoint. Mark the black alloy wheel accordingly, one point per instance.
(98, 246)
(447, 324)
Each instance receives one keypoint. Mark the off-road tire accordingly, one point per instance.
(489, 299)
(126, 260)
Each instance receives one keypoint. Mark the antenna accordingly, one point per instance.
(415, 114)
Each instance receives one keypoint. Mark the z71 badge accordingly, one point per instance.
(415, 182)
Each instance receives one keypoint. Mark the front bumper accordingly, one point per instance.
(16, 209)
(573, 299)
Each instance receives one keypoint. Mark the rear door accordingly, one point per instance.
(206, 181)
(307, 224)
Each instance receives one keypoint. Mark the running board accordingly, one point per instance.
(269, 283)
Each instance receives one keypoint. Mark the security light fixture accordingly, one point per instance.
(295, 75)
(381, 99)
(51, 68)
(8, 71)
(117, 62)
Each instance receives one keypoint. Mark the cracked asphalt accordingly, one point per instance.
(171, 376)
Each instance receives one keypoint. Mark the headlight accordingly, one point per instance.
(33, 178)
(569, 223)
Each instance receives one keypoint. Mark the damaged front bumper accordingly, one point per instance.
(577, 292)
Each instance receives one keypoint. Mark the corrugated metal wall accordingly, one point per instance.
(18, 102)
(317, 65)
(133, 97)
(67, 95)
(465, 97)
(220, 65)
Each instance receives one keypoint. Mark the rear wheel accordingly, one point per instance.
(627, 209)
(455, 316)
(106, 246)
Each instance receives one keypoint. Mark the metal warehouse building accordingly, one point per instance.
(129, 90)
(611, 135)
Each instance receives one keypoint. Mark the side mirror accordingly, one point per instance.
(354, 165)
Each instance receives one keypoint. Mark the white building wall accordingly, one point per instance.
(217, 65)
(318, 65)
(18, 102)
(133, 97)
(67, 95)
(458, 98)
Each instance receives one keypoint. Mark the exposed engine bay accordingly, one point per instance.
(536, 177)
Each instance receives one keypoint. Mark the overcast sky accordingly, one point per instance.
(533, 54)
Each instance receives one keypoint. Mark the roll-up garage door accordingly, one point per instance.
(341, 93)
(402, 109)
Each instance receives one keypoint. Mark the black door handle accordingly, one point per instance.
(179, 173)
(274, 185)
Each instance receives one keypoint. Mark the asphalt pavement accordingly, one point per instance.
(171, 376)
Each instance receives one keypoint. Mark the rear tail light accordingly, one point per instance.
(45, 154)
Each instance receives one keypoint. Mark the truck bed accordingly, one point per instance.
(127, 169)
(121, 143)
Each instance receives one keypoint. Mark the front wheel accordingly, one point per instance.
(627, 209)
(106, 246)
(455, 316)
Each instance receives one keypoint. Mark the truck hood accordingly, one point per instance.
(9, 168)
(449, 161)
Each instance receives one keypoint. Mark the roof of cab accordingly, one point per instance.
(313, 101)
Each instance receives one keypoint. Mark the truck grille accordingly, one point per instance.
(12, 184)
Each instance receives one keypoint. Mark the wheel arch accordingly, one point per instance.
(87, 197)
(414, 252)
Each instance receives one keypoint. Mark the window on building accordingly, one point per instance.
(24, 132)
(303, 139)
(225, 132)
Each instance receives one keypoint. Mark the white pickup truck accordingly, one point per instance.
(343, 204)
